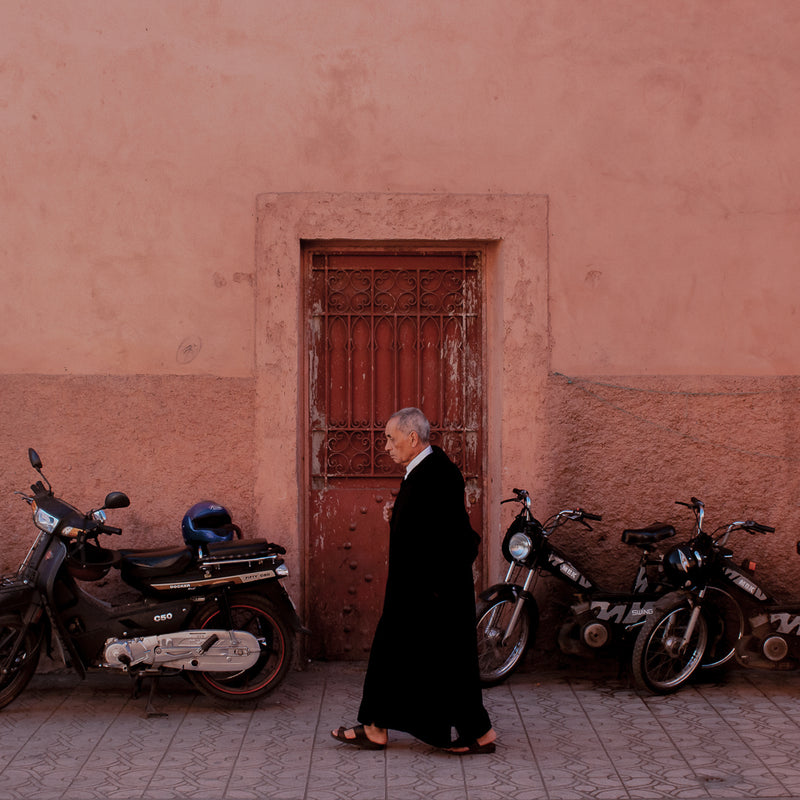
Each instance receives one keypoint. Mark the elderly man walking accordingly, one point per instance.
(422, 676)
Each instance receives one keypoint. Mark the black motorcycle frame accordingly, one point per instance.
(44, 605)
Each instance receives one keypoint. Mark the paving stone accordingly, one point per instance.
(565, 735)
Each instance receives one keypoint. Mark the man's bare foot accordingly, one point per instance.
(483, 744)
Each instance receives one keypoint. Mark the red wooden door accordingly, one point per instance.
(386, 330)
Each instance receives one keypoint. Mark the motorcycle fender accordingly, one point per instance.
(24, 601)
(511, 592)
(42, 632)
(506, 591)
(275, 592)
(673, 598)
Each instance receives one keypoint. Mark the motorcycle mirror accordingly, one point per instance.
(116, 500)
(33, 457)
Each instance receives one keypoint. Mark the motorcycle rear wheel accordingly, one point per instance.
(661, 664)
(497, 659)
(258, 616)
(24, 663)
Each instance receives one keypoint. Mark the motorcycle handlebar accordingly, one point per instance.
(111, 531)
(757, 527)
(751, 526)
(519, 497)
(695, 504)
(578, 515)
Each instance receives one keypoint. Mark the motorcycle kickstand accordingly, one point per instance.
(149, 710)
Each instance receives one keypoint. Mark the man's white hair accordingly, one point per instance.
(412, 419)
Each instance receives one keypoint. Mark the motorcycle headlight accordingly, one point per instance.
(519, 546)
(44, 521)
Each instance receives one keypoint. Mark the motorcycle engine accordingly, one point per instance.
(583, 632)
(595, 634)
(201, 650)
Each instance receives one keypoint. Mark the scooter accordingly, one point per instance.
(713, 594)
(597, 621)
(213, 610)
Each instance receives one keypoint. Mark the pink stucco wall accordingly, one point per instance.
(137, 136)
(650, 302)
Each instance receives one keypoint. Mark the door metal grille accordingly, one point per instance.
(389, 331)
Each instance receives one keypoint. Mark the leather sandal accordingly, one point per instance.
(360, 739)
(471, 748)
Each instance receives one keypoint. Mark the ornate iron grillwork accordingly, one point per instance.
(389, 331)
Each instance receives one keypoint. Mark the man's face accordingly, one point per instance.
(401, 447)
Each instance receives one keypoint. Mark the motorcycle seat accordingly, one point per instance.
(151, 563)
(644, 537)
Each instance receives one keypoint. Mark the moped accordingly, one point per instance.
(715, 599)
(597, 621)
(212, 609)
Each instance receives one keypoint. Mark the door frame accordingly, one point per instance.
(514, 230)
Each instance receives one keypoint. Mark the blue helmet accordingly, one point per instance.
(207, 521)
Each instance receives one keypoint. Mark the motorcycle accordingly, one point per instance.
(212, 610)
(708, 606)
(508, 613)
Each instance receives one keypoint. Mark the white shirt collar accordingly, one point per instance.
(419, 457)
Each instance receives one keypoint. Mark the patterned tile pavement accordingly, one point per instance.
(564, 735)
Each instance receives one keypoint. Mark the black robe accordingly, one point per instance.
(422, 676)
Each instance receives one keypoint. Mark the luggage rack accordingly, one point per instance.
(241, 551)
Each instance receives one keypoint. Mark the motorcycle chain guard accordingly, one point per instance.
(197, 650)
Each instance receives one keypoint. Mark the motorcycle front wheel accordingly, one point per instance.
(260, 617)
(725, 622)
(500, 654)
(662, 658)
(24, 663)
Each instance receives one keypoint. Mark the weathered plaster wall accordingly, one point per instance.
(165, 441)
(137, 136)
